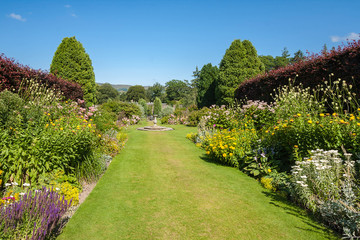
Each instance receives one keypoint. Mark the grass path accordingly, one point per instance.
(161, 187)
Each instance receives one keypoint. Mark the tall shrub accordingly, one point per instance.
(206, 84)
(71, 62)
(142, 103)
(157, 106)
(239, 63)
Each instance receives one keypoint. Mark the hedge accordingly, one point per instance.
(343, 62)
(12, 73)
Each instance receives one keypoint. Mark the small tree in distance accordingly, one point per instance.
(135, 93)
(157, 106)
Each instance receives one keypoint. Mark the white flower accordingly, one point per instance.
(57, 189)
(15, 183)
(7, 184)
(22, 194)
(303, 177)
(300, 182)
(26, 184)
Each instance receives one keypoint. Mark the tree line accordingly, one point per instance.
(210, 85)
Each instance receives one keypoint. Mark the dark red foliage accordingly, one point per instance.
(12, 73)
(343, 62)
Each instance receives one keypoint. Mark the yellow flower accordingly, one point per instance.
(1, 171)
(61, 129)
(354, 134)
(269, 170)
(322, 115)
(266, 131)
(207, 152)
(48, 114)
(230, 154)
(310, 121)
(46, 125)
(224, 154)
(99, 135)
(291, 120)
(296, 146)
(299, 115)
(89, 125)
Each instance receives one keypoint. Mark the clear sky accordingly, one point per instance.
(143, 42)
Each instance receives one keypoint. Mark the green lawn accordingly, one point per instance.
(161, 186)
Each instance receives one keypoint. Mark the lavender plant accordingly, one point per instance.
(34, 216)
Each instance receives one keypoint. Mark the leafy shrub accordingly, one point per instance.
(166, 112)
(196, 115)
(143, 103)
(10, 104)
(105, 120)
(157, 106)
(121, 109)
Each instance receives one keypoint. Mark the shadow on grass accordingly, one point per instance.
(292, 209)
(208, 159)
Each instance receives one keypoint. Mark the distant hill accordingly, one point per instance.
(122, 87)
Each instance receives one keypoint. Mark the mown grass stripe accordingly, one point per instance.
(161, 187)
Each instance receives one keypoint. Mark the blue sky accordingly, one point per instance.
(143, 42)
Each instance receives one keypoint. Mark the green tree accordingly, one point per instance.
(196, 75)
(134, 93)
(105, 92)
(143, 103)
(157, 106)
(268, 61)
(206, 86)
(298, 56)
(175, 90)
(157, 90)
(239, 63)
(71, 62)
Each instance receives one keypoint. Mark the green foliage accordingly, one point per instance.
(157, 90)
(121, 109)
(166, 111)
(71, 62)
(135, 93)
(106, 92)
(157, 106)
(239, 63)
(206, 84)
(272, 63)
(175, 90)
(10, 105)
(142, 102)
(196, 115)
